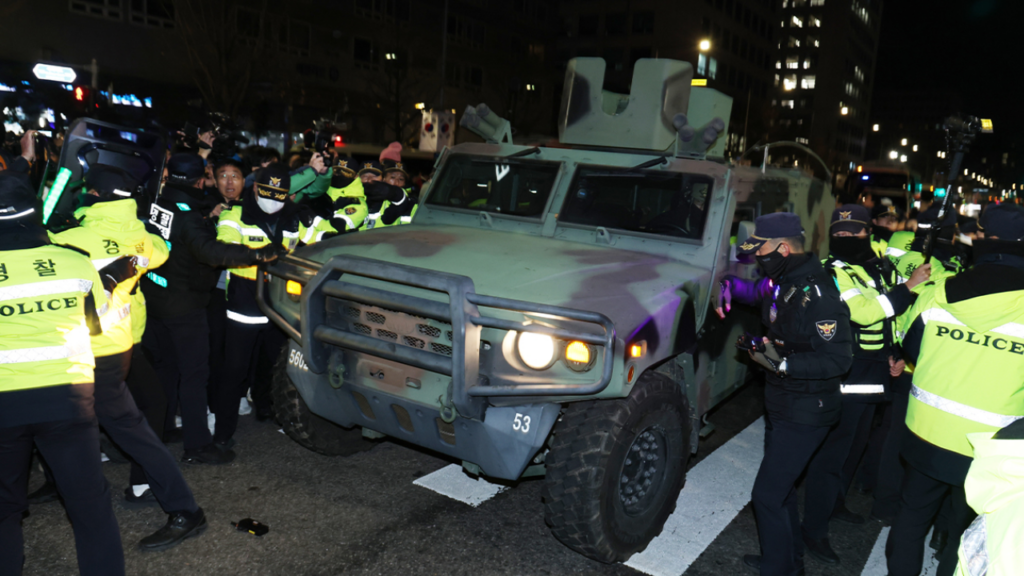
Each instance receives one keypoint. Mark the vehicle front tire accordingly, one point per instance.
(615, 469)
(309, 430)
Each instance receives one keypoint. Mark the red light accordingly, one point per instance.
(337, 139)
(79, 94)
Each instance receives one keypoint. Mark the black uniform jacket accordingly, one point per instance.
(809, 327)
(184, 283)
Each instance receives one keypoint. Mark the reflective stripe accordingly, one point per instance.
(886, 305)
(850, 294)
(400, 202)
(839, 264)
(894, 252)
(45, 288)
(287, 234)
(901, 335)
(77, 343)
(111, 317)
(245, 231)
(962, 410)
(311, 231)
(348, 221)
(247, 319)
(19, 214)
(862, 388)
(408, 219)
(940, 315)
(1010, 329)
(974, 547)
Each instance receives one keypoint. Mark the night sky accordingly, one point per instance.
(973, 47)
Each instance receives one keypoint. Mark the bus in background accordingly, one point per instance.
(875, 180)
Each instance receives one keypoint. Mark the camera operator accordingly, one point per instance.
(177, 296)
(22, 163)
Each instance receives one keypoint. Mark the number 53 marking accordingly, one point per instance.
(521, 423)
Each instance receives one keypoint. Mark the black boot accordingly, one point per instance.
(46, 493)
(821, 550)
(843, 514)
(939, 540)
(179, 526)
(753, 561)
(208, 454)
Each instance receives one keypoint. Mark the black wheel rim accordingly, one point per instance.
(643, 471)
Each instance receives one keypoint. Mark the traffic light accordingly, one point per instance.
(80, 94)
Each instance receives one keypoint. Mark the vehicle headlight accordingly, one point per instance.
(536, 350)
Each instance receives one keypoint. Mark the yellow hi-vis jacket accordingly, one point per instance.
(44, 339)
(108, 231)
(994, 543)
(970, 368)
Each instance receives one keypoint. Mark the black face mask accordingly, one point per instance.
(773, 264)
(881, 232)
(851, 249)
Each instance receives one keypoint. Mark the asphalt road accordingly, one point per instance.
(363, 515)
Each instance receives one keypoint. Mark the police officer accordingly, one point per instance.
(870, 288)
(177, 295)
(966, 341)
(46, 383)
(995, 490)
(348, 209)
(265, 218)
(806, 353)
(112, 234)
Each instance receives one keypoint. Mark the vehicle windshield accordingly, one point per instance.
(650, 201)
(515, 187)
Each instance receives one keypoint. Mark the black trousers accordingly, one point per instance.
(216, 318)
(921, 499)
(890, 464)
(71, 447)
(148, 392)
(788, 448)
(126, 426)
(180, 348)
(246, 346)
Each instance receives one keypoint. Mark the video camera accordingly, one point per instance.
(321, 136)
(226, 135)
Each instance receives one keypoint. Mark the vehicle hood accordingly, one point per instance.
(629, 287)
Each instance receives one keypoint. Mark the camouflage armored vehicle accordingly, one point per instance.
(548, 311)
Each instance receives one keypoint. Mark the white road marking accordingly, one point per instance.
(716, 490)
(875, 565)
(454, 483)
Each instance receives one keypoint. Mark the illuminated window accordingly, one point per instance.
(817, 3)
(788, 104)
(858, 72)
(702, 64)
(778, 64)
(803, 141)
(813, 42)
(807, 82)
(793, 62)
(793, 42)
(776, 80)
(797, 22)
(789, 82)
(807, 63)
(813, 22)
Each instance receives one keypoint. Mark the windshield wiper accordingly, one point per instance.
(655, 162)
(526, 152)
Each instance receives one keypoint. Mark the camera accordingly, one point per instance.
(226, 135)
(320, 137)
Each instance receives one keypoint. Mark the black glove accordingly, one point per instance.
(60, 222)
(769, 358)
(305, 214)
(117, 271)
(268, 253)
(383, 191)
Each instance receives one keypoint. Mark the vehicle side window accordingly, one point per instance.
(514, 187)
(650, 201)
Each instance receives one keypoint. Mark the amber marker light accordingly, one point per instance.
(636, 351)
(577, 351)
(293, 288)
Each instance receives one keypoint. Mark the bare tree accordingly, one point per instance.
(224, 40)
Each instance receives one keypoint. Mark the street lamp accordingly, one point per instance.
(704, 45)
(874, 128)
(915, 147)
(894, 155)
(844, 110)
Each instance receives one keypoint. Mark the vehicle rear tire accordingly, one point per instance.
(615, 469)
(309, 430)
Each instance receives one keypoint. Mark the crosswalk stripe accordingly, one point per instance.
(453, 482)
(716, 490)
(875, 566)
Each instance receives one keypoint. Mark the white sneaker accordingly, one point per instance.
(244, 408)
(104, 457)
(211, 422)
(177, 421)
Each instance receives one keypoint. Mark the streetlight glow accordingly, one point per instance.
(915, 147)
(705, 45)
(844, 110)
(874, 128)
(420, 106)
(894, 155)
(903, 142)
(903, 158)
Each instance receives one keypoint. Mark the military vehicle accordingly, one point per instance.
(548, 310)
